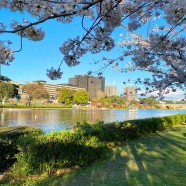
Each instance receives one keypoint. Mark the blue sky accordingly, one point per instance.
(31, 63)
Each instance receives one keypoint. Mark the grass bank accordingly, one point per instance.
(156, 160)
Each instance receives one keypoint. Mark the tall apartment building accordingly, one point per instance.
(130, 92)
(90, 83)
(111, 90)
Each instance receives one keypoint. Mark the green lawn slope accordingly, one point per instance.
(158, 159)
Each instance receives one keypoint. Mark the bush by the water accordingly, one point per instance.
(46, 153)
(38, 153)
(8, 143)
(122, 131)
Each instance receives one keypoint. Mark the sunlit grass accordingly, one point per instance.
(159, 159)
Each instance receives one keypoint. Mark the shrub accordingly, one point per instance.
(8, 144)
(121, 131)
(46, 153)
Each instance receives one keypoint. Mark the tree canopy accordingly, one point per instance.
(4, 78)
(36, 91)
(149, 101)
(160, 50)
(6, 90)
(65, 96)
(81, 97)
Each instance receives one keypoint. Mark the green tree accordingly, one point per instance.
(65, 96)
(36, 90)
(81, 97)
(107, 101)
(151, 101)
(6, 90)
(118, 99)
(4, 78)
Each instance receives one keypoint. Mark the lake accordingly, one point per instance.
(49, 120)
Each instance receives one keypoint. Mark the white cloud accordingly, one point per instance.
(178, 95)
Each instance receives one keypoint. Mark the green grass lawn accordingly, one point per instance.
(159, 159)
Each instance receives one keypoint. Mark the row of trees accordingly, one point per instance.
(36, 91)
(123, 102)
(67, 96)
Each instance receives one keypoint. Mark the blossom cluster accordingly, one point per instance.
(163, 57)
(54, 74)
(6, 54)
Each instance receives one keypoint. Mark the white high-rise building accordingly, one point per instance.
(111, 90)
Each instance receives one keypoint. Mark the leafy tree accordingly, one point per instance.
(36, 90)
(65, 96)
(6, 90)
(151, 101)
(118, 99)
(160, 49)
(81, 97)
(25, 99)
(4, 78)
(109, 100)
(100, 95)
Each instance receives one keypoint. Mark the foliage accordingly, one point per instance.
(25, 99)
(8, 144)
(81, 97)
(49, 152)
(122, 131)
(65, 96)
(107, 101)
(151, 101)
(36, 90)
(22, 105)
(4, 78)
(6, 90)
(100, 95)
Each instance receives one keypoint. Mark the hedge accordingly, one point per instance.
(8, 144)
(122, 131)
(49, 152)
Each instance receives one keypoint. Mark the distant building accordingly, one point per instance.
(130, 92)
(52, 89)
(111, 90)
(90, 83)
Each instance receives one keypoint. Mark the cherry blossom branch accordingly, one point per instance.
(54, 16)
(21, 43)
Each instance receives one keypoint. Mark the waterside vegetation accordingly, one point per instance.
(29, 153)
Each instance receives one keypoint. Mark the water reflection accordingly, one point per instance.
(49, 120)
(130, 116)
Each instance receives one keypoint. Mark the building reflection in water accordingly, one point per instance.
(130, 115)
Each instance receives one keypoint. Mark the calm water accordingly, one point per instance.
(57, 120)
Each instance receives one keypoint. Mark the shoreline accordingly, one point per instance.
(85, 108)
